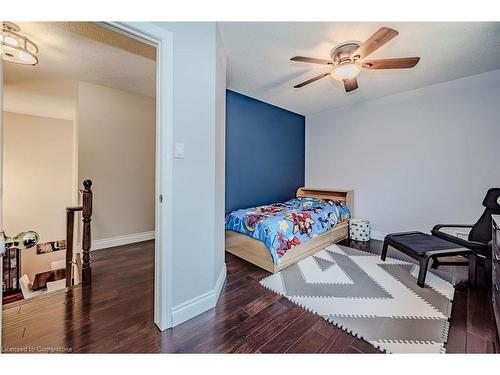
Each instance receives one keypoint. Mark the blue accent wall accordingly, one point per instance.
(265, 150)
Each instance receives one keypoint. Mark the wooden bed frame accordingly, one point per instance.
(254, 251)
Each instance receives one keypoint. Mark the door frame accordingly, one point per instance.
(1, 189)
(162, 39)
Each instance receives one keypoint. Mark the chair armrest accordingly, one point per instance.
(473, 245)
(439, 226)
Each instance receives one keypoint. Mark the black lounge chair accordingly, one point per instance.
(423, 248)
(480, 235)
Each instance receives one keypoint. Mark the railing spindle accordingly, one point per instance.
(86, 235)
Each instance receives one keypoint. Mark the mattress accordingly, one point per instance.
(280, 226)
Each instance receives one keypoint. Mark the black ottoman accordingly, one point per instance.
(422, 247)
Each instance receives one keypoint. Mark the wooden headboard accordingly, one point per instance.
(346, 196)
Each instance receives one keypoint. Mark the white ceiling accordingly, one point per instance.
(258, 56)
(66, 57)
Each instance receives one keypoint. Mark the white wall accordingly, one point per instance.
(414, 159)
(116, 150)
(39, 105)
(220, 154)
(38, 182)
(198, 227)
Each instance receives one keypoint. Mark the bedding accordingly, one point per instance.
(281, 226)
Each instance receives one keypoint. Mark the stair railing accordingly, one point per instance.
(86, 209)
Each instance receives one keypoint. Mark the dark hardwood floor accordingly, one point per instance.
(116, 315)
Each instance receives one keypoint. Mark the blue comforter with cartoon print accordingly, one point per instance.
(284, 225)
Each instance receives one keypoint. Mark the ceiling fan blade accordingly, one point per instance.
(310, 80)
(397, 63)
(311, 60)
(377, 40)
(350, 84)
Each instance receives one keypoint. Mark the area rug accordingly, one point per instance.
(374, 300)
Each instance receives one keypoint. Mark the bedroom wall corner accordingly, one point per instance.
(265, 152)
(203, 302)
(414, 159)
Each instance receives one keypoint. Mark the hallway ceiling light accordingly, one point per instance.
(16, 47)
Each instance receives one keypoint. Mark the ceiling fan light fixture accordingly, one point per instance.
(16, 47)
(348, 60)
(346, 71)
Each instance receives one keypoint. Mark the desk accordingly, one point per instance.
(41, 279)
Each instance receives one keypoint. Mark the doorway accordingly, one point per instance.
(87, 92)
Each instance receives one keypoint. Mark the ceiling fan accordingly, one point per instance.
(348, 60)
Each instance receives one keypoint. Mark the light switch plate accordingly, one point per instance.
(179, 150)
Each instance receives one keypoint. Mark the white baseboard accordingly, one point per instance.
(121, 240)
(199, 304)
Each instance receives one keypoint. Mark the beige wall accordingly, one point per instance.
(37, 182)
(116, 150)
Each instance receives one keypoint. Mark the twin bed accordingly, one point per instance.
(276, 236)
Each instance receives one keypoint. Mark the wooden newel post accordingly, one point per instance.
(70, 223)
(86, 237)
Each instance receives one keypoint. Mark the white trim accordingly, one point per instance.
(122, 240)
(162, 39)
(199, 304)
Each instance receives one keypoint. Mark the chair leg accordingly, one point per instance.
(424, 262)
(384, 251)
(472, 269)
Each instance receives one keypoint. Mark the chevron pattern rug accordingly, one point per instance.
(377, 301)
